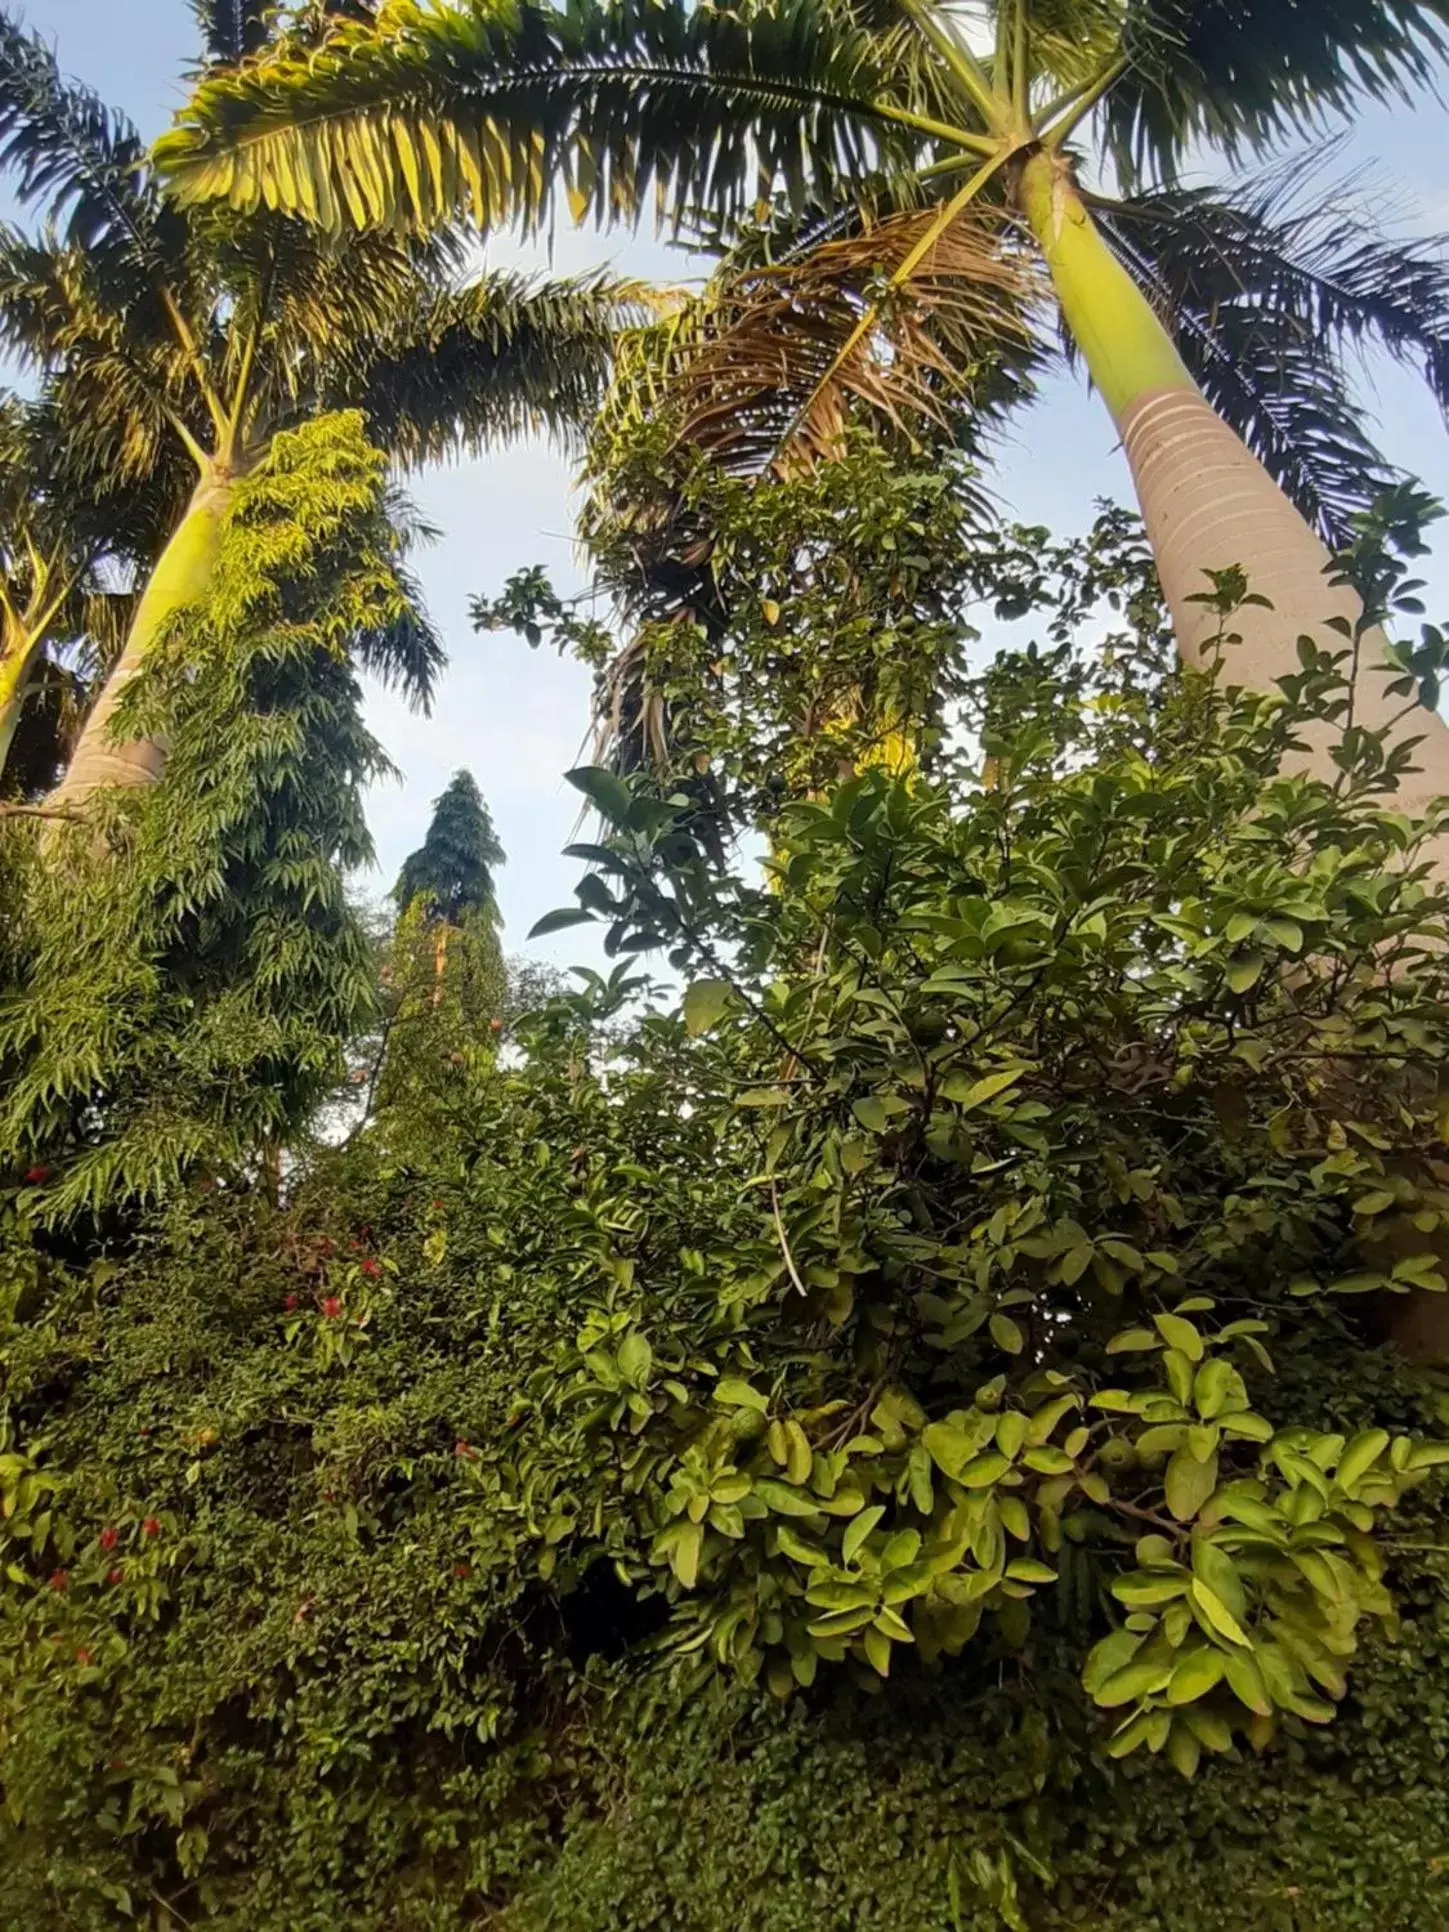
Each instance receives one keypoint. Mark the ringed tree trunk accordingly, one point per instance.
(181, 576)
(1208, 504)
(1207, 501)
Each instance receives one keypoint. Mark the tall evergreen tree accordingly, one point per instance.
(452, 870)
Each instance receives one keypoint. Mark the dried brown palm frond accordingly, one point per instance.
(909, 318)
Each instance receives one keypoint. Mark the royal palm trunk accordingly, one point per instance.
(1207, 501)
(182, 576)
(18, 650)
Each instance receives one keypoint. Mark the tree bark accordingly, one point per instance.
(1207, 501)
(17, 654)
(182, 575)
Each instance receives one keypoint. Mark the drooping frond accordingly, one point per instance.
(791, 352)
(501, 357)
(113, 372)
(1240, 73)
(440, 109)
(1268, 296)
(64, 150)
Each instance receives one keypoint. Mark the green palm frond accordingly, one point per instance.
(1241, 73)
(434, 110)
(1267, 294)
(501, 357)
(66, 151)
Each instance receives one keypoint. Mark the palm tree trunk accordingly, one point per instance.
(182, 574)
(1206, 499)
(17, 655)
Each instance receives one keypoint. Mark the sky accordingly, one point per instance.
(517, 718)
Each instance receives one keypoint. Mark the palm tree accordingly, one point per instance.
(194, 337)
(924, 144)
(61, 619)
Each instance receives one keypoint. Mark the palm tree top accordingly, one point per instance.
(435, 105)
(452, 871)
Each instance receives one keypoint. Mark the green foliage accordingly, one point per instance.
(452, 870)
(181, 980)
(849, 138)
(850, 1449)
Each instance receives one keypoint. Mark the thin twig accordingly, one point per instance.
(784, 1244)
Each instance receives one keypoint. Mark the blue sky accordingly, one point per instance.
(517, 718)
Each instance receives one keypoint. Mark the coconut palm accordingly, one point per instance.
(926, 144)
(194, 337)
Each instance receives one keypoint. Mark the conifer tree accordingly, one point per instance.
(452, 870)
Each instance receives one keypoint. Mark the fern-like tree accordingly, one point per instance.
(201, 336)
(452, 870)
(922, 155)
(444, 977)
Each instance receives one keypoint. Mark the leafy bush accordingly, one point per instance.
(836, 1453)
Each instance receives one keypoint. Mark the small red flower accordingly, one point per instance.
(462, 1569)
(152, 1526)
(372, 1269)
(289, 1302)
(331, 1307)
(437, 1207)
(60, 1580)
(83, 1655)
(34, 1176)
(109, 1537)
(116, 1575)
(465, 1450)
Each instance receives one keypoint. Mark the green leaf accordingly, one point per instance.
(705, 1005)
(950, 1447)
(1189, 1483)
(733, 1392)
(857, 1530)
(872, 1113)
(557, 921)
(1133, 1341)
(1140, 1678)
(636, 1358)
(1218, 1614)
(1007, 1334)
(975, 1093)
(1180, 1334)
(764, 1097)
(1360, 1456)
(609, 795)
(783, 1500)
(1196, 1673)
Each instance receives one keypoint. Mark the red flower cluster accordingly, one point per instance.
(109, 1537)
(289, 1302)
(116, 1575)
(465, 1450)
(83, 1655)
(372, 1269)
(152, 1526)
(60, 1580)
(331, 1307)
(35, 1175)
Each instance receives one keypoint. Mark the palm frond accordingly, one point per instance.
(232, 30)
(438, 110)
(1241, 73)
(502, 357)
(80, 160)
(788, 354)
(1268, 295)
